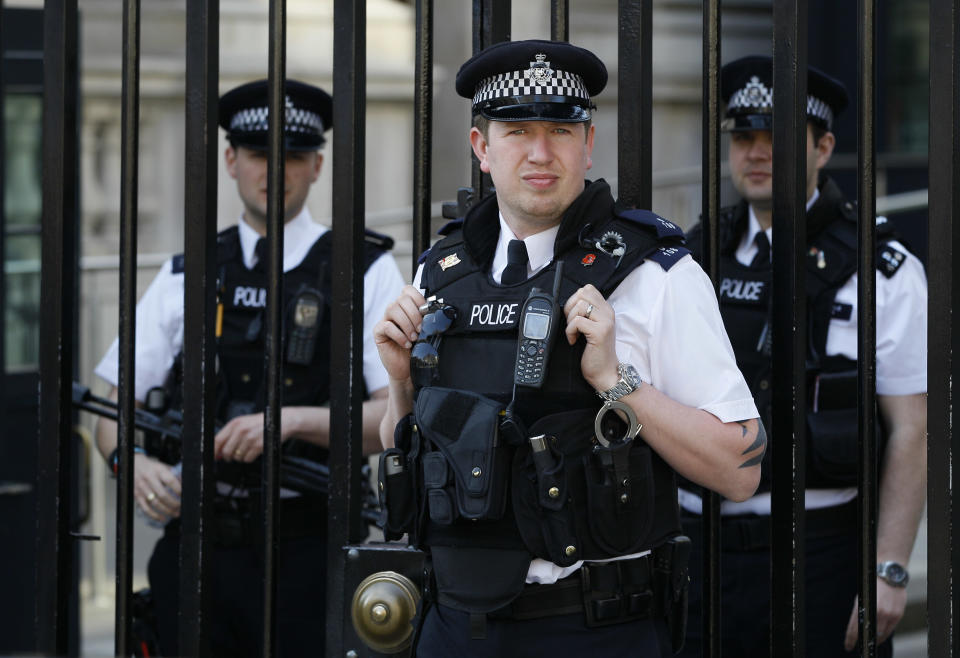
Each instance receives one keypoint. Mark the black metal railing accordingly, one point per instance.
(491, 24)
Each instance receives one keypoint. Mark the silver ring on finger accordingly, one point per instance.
(589, 311)
(151, 497)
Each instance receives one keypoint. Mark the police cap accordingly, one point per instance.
(309, 114)
(532, 80)
(746, 85)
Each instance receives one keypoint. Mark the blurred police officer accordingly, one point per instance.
(236, 581)
(551, 525)
(831, 473)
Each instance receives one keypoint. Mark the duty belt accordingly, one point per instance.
(606, 593)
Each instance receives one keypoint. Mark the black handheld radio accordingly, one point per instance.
(307, 316)
(538, 326)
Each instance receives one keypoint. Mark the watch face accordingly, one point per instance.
(893, 573)
(631, 375)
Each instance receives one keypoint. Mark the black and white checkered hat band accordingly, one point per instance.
(254, 119)
(758, 98)
(520, 83)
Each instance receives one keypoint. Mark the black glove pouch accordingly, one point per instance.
(465, 471)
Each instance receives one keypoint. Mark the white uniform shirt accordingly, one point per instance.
(160, 310)
(668, 326)
(901, 350)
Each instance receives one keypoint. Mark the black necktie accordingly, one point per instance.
(762, 258)
(261, 252)
(516, 269)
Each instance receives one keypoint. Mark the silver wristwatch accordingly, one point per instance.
(629, 382)
(893, 573)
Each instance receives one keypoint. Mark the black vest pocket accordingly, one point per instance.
(542, 507)
(619, 499)
(574, 501)
(833, 447)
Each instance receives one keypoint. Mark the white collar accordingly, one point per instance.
(753, 226)
(298, 232)
(539, 249)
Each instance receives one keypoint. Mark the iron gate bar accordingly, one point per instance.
(199, 346)
(3, 214)
(943, 516)
(273, 357)
(129, 151)
(422, 130)
(710, 181)
(560, 20)
(788, 522)
(491, 24)
(867, 329)
(346, 359)
(58, 271)
(635, 103)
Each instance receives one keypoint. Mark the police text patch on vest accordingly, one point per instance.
(743, 291)
(247, 297)
(491, 315)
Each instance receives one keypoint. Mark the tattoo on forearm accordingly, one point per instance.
(759, 443)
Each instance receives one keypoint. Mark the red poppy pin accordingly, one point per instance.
(587, 260)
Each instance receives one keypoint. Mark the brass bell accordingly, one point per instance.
(384, 604)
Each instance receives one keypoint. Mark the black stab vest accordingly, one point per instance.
(242, 296)
(478, 353)
(745, 297)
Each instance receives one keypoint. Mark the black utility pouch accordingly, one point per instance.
(463, 429)
(620, 486)
(671, 580)
(397, 503)
(833, 453)
(545, 491)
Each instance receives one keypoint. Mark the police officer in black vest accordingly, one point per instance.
(831, 262)
(236, 581)
(556, 361)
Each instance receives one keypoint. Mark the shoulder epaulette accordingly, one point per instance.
(176, 264)
(664, 227)
(667, 257)
(380, 240)
(450, 226)
(890, 259)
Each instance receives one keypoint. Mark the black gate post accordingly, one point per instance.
(943, 611)
(346, 360)
(199, 348)
(58, 263)
(710, 183)
(788, 523)
(867, 330)
(635, 103)
(274, 311)
(129, 153)
(422, 129)
(491, 24)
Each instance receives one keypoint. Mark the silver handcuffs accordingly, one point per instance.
(633, 427)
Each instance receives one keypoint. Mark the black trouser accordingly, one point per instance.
(236, 584)
(446, 632)
(831, 585)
